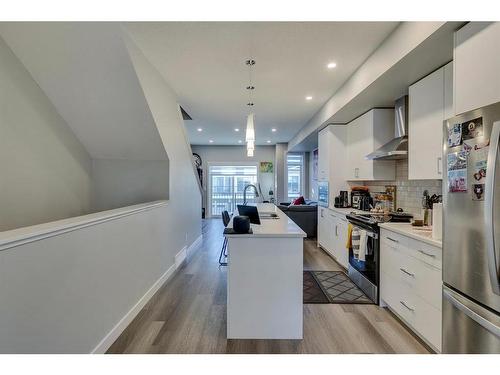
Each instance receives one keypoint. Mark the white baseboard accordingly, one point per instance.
(180, 257)
(194, 245)
(117, 330)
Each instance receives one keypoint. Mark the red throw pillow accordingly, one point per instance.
(300, 200)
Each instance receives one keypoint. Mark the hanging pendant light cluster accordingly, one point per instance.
(250, 131)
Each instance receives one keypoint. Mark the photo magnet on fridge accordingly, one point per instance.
(455, 135)
(457, 160)
(457, 181)
(478, 192)
(480, 161)
(472, 129)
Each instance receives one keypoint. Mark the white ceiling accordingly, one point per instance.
(204, 63)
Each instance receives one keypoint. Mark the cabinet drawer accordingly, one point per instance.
(421, 316)
(428, 322)
(418, 249)
(421, 278)
(395, 241)
(426, 253)
(399, 298)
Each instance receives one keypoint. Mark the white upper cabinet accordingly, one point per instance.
(477, 63)
(332, 159)
(364, 135)
(430, 103)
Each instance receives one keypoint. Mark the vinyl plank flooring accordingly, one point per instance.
(188, 315)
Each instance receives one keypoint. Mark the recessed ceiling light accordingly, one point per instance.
(309, 97)
(211, 141)
(240, 141)
(236, 129)
(200, 129)
(331, 65)
(273, 130)
(268, 141)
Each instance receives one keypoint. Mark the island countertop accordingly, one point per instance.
(282, 226)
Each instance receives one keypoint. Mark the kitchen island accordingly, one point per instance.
(264, 278)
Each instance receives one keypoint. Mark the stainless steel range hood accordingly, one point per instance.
(397, 148)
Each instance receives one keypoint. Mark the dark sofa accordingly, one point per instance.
(304, 215)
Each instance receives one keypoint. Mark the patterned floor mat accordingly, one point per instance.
(312, 291)
(338, 288)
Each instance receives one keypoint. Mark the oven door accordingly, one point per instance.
(369, 267)
(365, 274)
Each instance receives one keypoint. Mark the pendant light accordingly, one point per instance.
(250, 130)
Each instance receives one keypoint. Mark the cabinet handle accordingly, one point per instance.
(405, 305)
(356, 172)
(392, 239)
(408, 273)
(429, 255)
(439, 160)
(336, 231)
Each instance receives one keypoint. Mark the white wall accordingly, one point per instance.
(313, 183)
(235, 154)
(183, 220)
(66, 293)
(45, 172)
(280, 170)
(85, 70)
(73, 291)
(120, 183)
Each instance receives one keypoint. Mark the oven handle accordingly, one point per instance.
(368, 233)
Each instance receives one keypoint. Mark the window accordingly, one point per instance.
(295, 175)
(226, 186)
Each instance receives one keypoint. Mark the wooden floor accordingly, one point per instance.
(188, 315)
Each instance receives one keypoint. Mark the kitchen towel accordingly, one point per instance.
(363, 239)
(348, 244)
(355, 242)
(437, 221)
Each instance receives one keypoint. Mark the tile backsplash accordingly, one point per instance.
(408, 192)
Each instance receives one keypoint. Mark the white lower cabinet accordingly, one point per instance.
(332, 234)
(340, 252)
(411, 283)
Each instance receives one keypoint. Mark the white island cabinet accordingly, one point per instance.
(264, 279)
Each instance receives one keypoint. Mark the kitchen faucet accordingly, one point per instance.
(245, 193)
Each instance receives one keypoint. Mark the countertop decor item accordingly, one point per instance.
(437, 221)
(241, 224)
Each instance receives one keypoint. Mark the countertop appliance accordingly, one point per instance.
(323, 193)
(471, 232)
(361, 200)
(342, 200)
(366, 275)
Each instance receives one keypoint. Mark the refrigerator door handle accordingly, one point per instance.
(475, 316)
(489, 201)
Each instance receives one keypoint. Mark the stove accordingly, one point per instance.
(366, 274)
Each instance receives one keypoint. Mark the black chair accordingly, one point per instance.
(223, 252)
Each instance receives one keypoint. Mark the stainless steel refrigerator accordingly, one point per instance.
(471, 232)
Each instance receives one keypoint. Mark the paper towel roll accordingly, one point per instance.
(437, 221)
